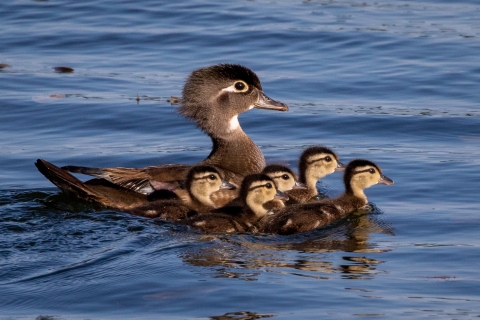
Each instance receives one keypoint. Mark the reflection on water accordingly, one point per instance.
(242, 315)
(246, 256)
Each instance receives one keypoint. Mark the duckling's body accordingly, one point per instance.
(359, 175)
(201, 182)
(256, 190)
(213, 97)
(315, 163)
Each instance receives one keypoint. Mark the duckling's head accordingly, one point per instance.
(256, 190)
(316, 162)
(214, 96)
(361, 174)
(202, 181)
(284, 177)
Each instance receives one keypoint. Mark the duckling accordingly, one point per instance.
(359, 175)
(255, 191)
(286, 180)
(284, 177)
(213, 97)
(201, 182)
(315, 163)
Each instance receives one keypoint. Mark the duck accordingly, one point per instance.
(256, 190)
(201, 182)
(213, 97)
(285, 179)
(315, 163)
(359, 175)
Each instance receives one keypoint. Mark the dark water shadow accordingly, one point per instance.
(246, 256)
(242, 315)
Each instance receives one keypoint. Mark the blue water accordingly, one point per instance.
(396, 82)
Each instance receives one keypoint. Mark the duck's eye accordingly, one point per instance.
(212, 177)
(328, 158)
(240, 86)
(285, 177)
(371, 170)
(268, 186)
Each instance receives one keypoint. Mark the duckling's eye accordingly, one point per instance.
(285, 177)
(371, 170)
(268, 186)
(212, 177)
(240, 86)
(328, 158)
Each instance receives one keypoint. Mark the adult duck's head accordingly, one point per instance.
(214, 96)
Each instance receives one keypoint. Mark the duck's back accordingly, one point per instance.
(308, 216)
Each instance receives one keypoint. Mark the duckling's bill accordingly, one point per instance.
(281, 196)
(385, 180)
(228, 186)
(340, 167)
(299, 185)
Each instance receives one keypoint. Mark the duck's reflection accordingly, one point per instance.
(242, 315)
(246, 256)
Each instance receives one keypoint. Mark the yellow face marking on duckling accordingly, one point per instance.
(259, 193)
(283, 180)
(364, 177)
(318, 166)
(204, 184)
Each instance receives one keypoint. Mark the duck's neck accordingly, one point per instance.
(354, 197)
(257, 208)
(234, 151)
(356, 192)
(310, 180)
(201, 200)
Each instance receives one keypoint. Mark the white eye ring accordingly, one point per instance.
(238, 86)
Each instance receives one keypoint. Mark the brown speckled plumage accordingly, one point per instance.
(359, 174)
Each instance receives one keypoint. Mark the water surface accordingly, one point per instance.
(395, 82)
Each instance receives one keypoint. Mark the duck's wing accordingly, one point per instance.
(144, 180)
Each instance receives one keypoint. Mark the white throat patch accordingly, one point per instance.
(234, 124)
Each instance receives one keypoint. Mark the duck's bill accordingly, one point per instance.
(340, 167)
(265, 102)
(299, 185)
(281, 196)
(227, 185)
(385, 180)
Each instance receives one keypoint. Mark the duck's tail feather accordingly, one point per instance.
(65, 181)
(95, 190)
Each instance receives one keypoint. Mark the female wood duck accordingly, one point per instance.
(315, 163)
(201, 181)
(359, 175)
(255, 191)
(213, 97)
